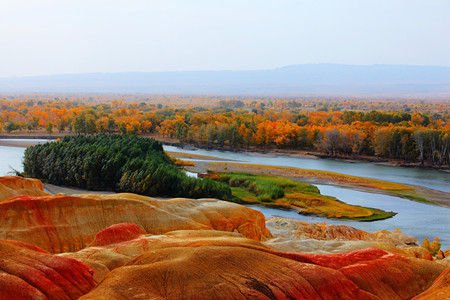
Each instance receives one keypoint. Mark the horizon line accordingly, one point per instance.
(220, 70)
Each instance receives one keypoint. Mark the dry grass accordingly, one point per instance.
(183, 163)
(192, 156)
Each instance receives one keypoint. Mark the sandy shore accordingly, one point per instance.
(21, 143)
(55, 189)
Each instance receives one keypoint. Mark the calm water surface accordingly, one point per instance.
(417, 219)
(10, 157)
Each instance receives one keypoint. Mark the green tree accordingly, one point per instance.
(49, 128)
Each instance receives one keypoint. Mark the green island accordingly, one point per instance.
(285, 193)
(121, 163)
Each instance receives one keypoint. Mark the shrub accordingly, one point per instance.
(266, 189)
(432, 247)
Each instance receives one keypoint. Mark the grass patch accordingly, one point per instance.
(285, 193)
(411, 196)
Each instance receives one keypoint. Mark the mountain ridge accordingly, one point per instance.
(290, 80)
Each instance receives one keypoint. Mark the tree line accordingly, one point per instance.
(419, 133)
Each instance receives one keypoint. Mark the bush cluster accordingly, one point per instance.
(265, 189)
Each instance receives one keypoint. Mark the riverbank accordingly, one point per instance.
(251, 149)
(21, 142)
(56, 189)
(305, 154)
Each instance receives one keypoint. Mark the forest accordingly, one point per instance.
(405, 130)
(122, 163)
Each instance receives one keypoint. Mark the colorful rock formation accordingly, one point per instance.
(59, 223)
(126, 246)
(323, 231)
(117, 233)
(293, 235)
(27, 272)
(13, 186)
(221, 265)
(440, 290)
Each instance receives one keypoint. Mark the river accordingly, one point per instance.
(417, 219)
(434, 179)
(414, 218)
(10, 159)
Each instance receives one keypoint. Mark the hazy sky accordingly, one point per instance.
(74, 36)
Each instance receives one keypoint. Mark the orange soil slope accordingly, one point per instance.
(59, 223)
(221, 265)
(128, 246)
(440, 290)
(12, 186)
(27, 272)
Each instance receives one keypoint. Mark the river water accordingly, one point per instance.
(417, 219)
(414, 218)
(10, 159)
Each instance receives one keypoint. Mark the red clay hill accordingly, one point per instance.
(125, 246)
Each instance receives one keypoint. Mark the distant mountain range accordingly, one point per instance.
(295, 80)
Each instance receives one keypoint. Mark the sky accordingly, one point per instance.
(40, 37)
